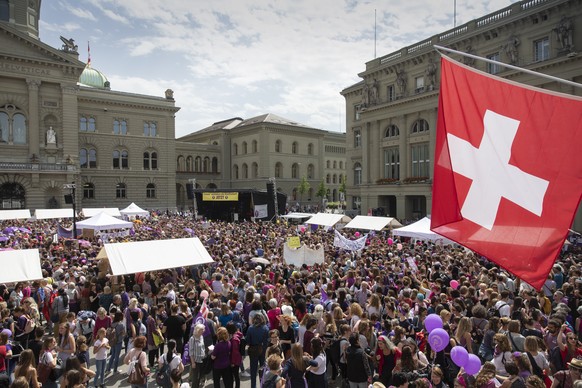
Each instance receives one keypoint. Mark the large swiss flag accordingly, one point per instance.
(508, 169)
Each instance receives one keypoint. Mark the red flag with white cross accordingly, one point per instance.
(508, 169)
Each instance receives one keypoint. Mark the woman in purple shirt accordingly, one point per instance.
(221, 357)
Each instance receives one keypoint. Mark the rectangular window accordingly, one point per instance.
(419, 84)
(391, 92)
(420, 160)
(541, 49)
(493, 68)
(357, 112)
(357, 138)
(392, 163)
(150, 129)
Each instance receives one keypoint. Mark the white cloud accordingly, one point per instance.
(83, 13)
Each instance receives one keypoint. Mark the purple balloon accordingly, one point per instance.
(8, 332)
(433, 321)
(460, 356)
(438, 339)
(473, 365)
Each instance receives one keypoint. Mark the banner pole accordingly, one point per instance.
(550, 77)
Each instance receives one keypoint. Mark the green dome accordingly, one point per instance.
(94, 78)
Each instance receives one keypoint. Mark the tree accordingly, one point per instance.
(321, 193)
(303, 187)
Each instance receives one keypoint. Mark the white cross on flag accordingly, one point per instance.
(508, 169)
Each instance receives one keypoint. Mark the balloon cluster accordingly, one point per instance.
(438, 339)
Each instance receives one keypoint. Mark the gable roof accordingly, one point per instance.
(270, 118)
(33, 50)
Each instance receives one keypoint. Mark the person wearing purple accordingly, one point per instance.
(221, 357)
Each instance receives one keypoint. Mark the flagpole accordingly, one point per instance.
(536, 73)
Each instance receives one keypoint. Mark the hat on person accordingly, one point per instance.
(420, 296)
(84, 317)
(575, 363)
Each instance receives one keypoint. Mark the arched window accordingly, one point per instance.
(120, 159)
(88, 158)
(235, 149)
(189, 164)
(335, 164)
(180, 163)
(215, 164)
(294, 147)
(12, 125)
(119, 127)
(255, 168)
(357, 174)
(206, 166)
(334, 180)
(245, 171)
(12, 196)
(150, 129)
(278, 146)
(310, 149)
(392, 131)
(120, 190)
(255, 147)
(88, 190)
(150, 190)
(420, 125)
(310, 171)
(198, 164)
(341, 165)
(278, 170)
(327, 179)
(235, 171)
(295, 171)
(244, 148)
(328, 164)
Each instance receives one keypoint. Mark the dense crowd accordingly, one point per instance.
(357, 319)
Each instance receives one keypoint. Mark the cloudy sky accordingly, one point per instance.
(245, 58)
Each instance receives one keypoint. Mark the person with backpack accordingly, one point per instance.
(359, 373)
(502, 308)
(221, 368)
(169, 363)
(115, 335)
(272, 378)
(137, 359)
(539, 363)
(566, 378)
(502, 354)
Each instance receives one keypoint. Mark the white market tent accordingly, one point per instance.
(43, 214)
(134, 210)
(20, 265)
(372, 223)
(93, 211)
(298, 215)
(327, 219)
(14, 214)
(103, 221)
(142, 256)
(420, 230)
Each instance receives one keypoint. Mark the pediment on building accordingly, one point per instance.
(17, 46)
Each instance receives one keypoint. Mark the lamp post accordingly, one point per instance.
(73, 187)
(194, 204)
(274, 182)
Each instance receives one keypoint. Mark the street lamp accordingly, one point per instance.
(273, 181)
(72, 200)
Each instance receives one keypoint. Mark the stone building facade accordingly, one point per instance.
(391, 113)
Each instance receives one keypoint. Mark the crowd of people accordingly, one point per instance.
(357, 319)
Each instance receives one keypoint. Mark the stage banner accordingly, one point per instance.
(220, 196)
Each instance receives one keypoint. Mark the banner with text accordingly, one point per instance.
(220, 196)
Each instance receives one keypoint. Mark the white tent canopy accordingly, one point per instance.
(20, 265)
(372, 223)
(421, 230)
(298, 215)
(43, 214)
(142, 256)
(14, 214)
(134, 210)
(103, 221)
(93, 211)
(326, 219)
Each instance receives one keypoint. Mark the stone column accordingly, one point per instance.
(403, 147)
(70, 124)
(35, 132)
(364, 144)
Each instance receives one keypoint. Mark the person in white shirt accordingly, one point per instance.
(502, 305)
(100, 349)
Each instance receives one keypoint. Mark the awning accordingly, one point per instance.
(43, 214)
(20, 265)
(420, 230)
(328, 219)
(14, 214)
(298, 215)
(143, 256)
(372, 223)
(103, 221)
(93, 211)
